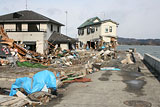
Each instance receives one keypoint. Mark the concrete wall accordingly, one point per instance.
(152, 61)
(30, 36)
(40, 37)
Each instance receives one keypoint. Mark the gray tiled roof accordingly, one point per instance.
(60, 38)
(26, 16)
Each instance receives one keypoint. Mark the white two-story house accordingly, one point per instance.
(95, 29)
(30, 28)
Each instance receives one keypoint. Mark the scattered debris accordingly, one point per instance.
(71, 65)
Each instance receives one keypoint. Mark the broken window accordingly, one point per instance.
(18, 27)
(51, 27)
(33, 27)
(58, 29)
(30, 45)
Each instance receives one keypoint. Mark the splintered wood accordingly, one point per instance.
(23, 54)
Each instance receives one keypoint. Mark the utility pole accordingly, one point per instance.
(66, 21)
(26, 4)
(103, 13)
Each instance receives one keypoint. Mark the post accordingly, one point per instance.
(66, 21)
(26, 4)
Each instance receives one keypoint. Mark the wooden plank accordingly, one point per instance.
(4, 98)
(10, 102)
(20, 103)
(24, 97)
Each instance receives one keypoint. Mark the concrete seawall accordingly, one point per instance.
(152, 61)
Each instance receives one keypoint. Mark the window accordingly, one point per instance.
(88, 31)
(51, 27)
(18, 27)
(92, 30)
(58, 29)
(106, 30)
(110, 29)
(96, 28)
(33, 27)
(81, 32)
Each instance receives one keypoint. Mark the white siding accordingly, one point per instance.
(87, 37)
(107, 25)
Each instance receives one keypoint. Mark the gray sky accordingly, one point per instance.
(137, 18)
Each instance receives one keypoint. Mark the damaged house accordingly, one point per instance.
(95, 29)
(34, 30)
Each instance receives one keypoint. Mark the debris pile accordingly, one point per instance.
(11, 52)
(69, 66)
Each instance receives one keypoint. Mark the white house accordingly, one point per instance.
(31, 29)
(95, 29)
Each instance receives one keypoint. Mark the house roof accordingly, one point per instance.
(26, 16)
(60, 38)
(90, 22)
(109, 20)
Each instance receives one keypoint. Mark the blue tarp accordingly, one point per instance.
(103, 47)
(40, 79)
(110, 68)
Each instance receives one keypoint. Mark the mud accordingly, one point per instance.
(135, 86)
(105, 76)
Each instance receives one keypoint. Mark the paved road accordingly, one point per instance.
(125, 88)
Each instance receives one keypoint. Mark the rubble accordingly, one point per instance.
(39, 87)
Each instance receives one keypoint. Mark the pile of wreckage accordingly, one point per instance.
(42, 87)
(10, 53)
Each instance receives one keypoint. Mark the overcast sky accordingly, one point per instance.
(137, 18)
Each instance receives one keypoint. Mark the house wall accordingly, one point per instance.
(87, 37)
(30, 36)
(101, 32)
(40, 37)
(107, 25)
(47, 27)
(64, 46)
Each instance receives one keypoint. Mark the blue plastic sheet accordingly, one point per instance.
(110, 68)
(103, 47)
(31, 85)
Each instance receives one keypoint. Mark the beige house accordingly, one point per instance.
(31, 29)
(95, 29)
